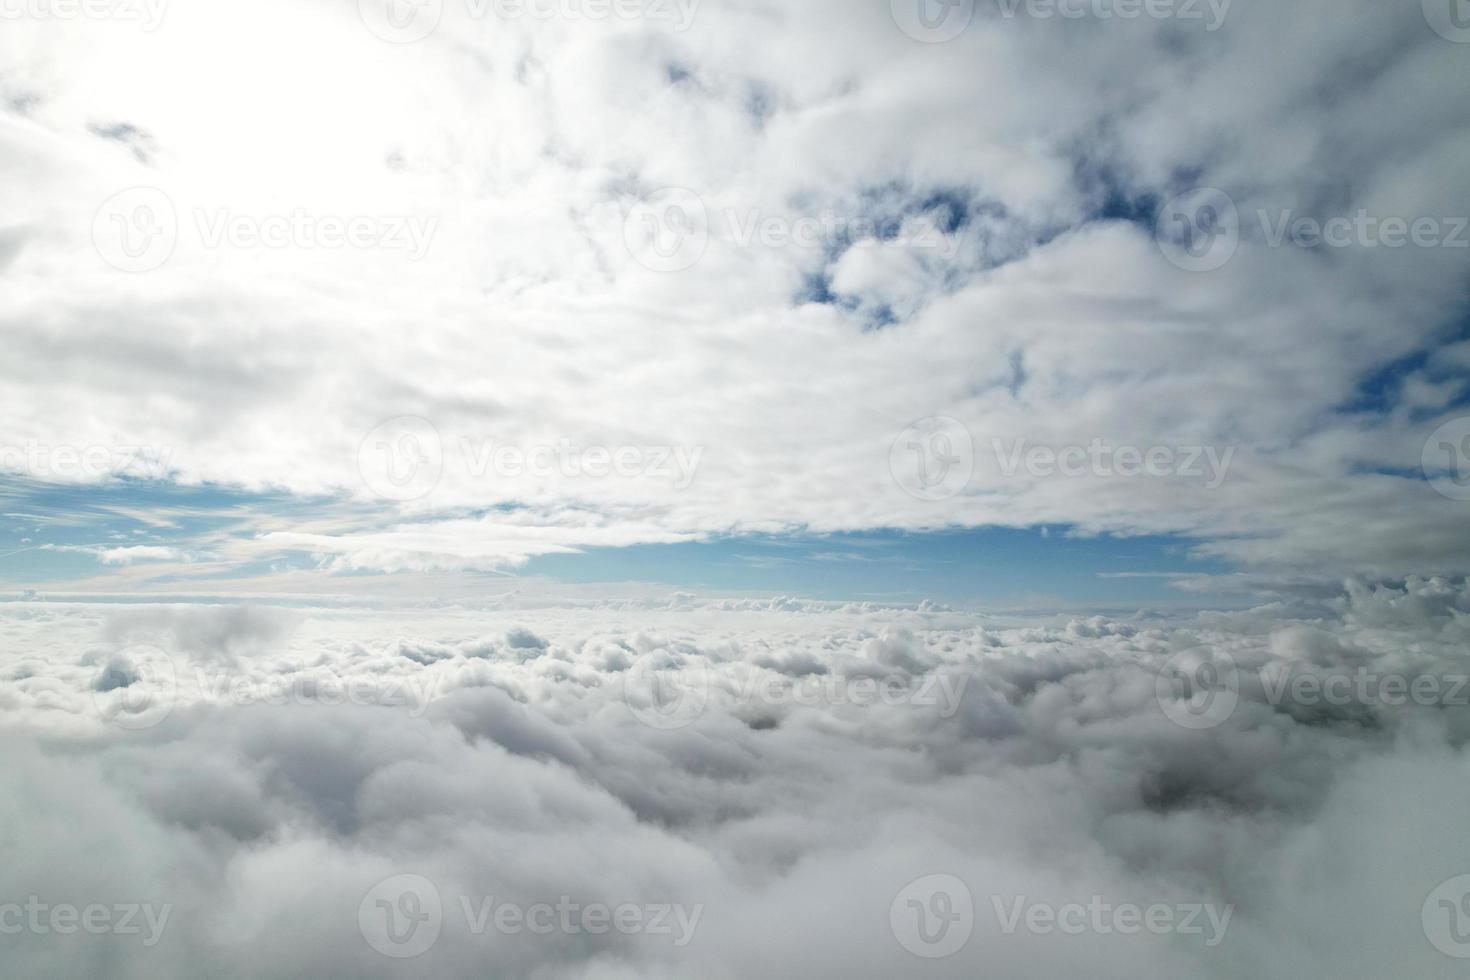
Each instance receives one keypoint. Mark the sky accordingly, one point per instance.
(609, 489)
(543, 283)
(138, 541)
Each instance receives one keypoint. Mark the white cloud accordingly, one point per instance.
(119, 556)
(529, 322)
(261, 248)
(789, 809)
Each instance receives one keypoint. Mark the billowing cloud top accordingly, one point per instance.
(779, 790)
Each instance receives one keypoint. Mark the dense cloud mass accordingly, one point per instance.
(887, 230)
(470, 469)
(729, 774)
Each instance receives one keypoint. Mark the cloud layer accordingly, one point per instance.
(890, 230)
(779, 776)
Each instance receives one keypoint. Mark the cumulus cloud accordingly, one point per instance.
(323, 320)
(897, 231)
(779, 777)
